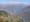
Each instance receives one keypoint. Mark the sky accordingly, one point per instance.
(25, 1)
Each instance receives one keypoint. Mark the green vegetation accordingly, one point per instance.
(8, 19)
(2, 13)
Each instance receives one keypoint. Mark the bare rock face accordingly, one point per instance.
(26, 17)
(27, 10)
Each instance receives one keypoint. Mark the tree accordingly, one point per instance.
(2, 12)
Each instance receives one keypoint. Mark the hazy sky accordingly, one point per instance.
(15, 0)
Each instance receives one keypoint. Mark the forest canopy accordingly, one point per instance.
(3, 12)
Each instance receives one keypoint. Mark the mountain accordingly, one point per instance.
(27, 9)
(15, 8)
